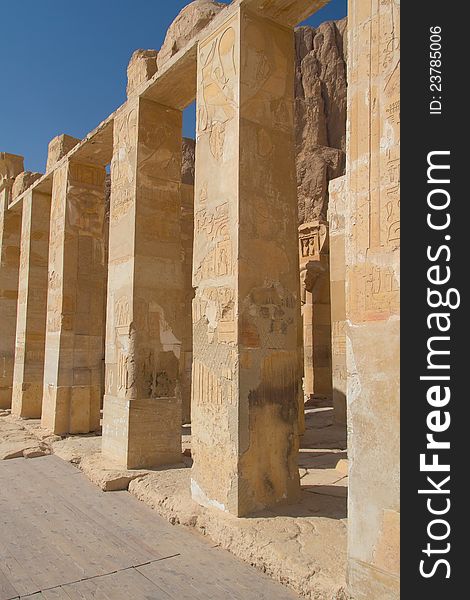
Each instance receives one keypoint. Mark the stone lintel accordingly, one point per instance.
(285, 12)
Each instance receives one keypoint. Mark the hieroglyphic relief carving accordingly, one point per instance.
(122, 313)
(210, 387)
(313, 238)
(218, 85)
(338, 334)
(86, 174)
(265, 66)
(373, 292)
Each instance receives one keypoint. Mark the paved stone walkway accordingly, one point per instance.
(61, 538)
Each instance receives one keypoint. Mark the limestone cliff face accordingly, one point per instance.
(320, 114)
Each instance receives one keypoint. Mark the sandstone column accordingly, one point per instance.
(142, 406)
(28, 374)
(246, 309)
(187, 239)
(372, 303)
(314, 265)
(10, 230)
(336, 220)
(76, 287)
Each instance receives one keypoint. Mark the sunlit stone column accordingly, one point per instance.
(314, 269)
(142, 407)
(10, 230)
(246, 265)
(336, 219)
(76, 287)
(372, 298)
(28, 373)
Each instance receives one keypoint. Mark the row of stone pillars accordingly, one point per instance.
(245, 373)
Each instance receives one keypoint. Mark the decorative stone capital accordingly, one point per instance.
(313, 248)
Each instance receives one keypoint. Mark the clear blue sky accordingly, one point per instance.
(63, 64)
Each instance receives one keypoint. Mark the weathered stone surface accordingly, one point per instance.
(300, 547)
(73, 448)
(23, 181)
(187, 239)
(74, 344)
(320, 114)
(145, 313)
(11, 166)
(246, 307)
(142, 67)
(372, 231)
(107, 475)
(16, 441)
(337, 207)
(190, 21)
(58, 148)
(28, 372)
(188, 160)
(314, 269)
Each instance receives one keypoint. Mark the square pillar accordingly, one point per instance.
(28, 373)
(76, 286)
(10, 233)
(336, 218)
(372, 230)
(145, 310)
(314, 270)
(246, 310)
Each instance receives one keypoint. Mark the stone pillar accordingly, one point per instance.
(246, 309)
(77, 274)
(10, 229)
(314, 266)
(142, 405)
(372, 303)
(336, 212)
(28, 374)
(187, 238)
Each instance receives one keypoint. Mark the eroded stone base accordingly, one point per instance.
(71, 409)
(139, 434)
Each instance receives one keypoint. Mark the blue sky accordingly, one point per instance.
(63, 64)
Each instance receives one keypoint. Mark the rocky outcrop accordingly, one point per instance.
(190, 21)
(320, 114)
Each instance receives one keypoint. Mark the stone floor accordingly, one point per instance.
(61, 538)
(302, 546)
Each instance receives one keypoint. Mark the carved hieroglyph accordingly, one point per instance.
(11, 166)
(76, 287)
(245, 312)
(145, 305)
(372, 303)
(32, 302)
